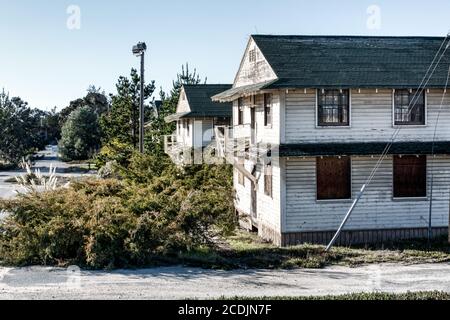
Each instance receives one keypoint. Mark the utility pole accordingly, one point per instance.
(139, 51)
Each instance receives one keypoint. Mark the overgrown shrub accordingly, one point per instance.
(114, 151)
(156, 210)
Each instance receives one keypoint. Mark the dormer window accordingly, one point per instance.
(409, 107)
(333, 107)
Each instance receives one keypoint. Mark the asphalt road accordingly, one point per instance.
(182, 283)
(8, 190)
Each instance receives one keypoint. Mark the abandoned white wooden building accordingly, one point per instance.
(328, 106)
(196, 117)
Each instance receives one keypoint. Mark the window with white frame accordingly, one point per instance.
(333, 107)
(409, 107)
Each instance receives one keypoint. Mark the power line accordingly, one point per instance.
(425, 80)
(430, 226)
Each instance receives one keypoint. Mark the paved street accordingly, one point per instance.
(181, 283)
(7, 189)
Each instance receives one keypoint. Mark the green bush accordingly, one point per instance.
(114, 151)
(157, 210)
(80, 135)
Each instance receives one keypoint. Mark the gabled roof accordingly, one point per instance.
(201, 104)
(352, 61)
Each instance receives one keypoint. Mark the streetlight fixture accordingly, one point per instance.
(139, 51)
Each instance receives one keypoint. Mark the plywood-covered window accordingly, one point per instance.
(333, 107)
(410, 176)
(268, 109)
(240, 111)
(268, 179)
(333, 178)
(409, 107)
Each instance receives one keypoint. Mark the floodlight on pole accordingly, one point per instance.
(139, 51)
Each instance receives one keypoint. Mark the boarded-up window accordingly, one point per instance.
(240, 111)
(333, 178)
(333, 107)
(409, 107)
(268, 109)
(410, 176)
(268, 179)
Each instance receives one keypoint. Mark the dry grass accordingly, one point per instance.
(245, 250)
(426, 295)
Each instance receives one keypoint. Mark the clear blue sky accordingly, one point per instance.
(49, 65)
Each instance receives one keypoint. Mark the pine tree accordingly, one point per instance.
(20, 129)
(121, 122)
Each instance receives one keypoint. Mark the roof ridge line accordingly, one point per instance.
(345, 36)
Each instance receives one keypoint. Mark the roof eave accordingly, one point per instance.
(244, 91)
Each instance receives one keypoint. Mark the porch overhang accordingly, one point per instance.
(177, 116)
(363, 148)
(237, 92)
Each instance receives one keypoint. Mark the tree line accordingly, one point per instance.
(96, 126)
(23, 129)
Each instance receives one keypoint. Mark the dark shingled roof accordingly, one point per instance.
(361, 148)
(201, 104)
(352, 61)
(348, 62)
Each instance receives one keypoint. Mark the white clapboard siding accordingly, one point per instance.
(371, 119)
(185, 136)
(242, 193)
(271, 133)
(197, 133)
(376, 210)
(268, 208)
(264, 134)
